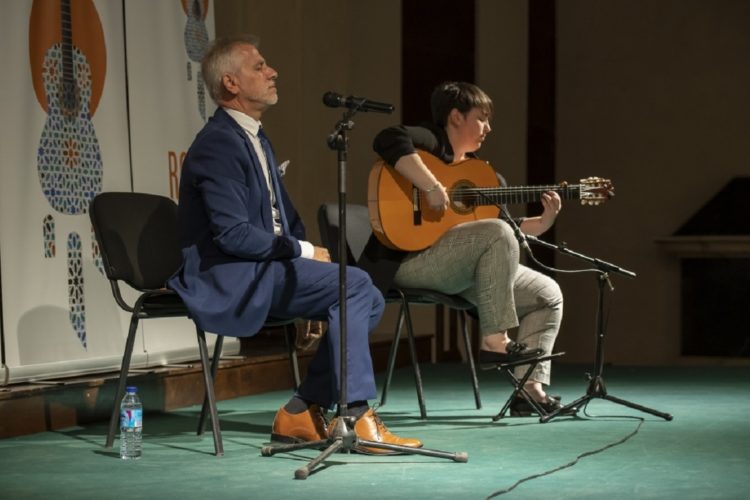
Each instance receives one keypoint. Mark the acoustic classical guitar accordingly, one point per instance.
(401, 218)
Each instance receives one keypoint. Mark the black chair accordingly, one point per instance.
(358, 233)
(137, 237)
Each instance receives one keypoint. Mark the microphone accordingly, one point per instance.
(334, 100)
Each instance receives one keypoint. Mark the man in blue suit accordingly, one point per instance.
(245, 257)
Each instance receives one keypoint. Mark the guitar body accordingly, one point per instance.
(399, 214)
(68, 159)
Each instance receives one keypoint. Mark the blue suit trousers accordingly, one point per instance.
(304, 288)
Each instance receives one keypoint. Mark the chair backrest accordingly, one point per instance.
(138, 237)
(358, 230)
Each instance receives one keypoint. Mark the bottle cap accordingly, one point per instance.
(131, 388)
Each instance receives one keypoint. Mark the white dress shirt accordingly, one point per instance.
(251, 126)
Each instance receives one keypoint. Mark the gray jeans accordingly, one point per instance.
(479, 261)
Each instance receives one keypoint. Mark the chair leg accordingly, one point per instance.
(292, 351)
(392, 356)
(120, 391)
(414, 360)
(470, 356)
(214, 369)
(209, 382)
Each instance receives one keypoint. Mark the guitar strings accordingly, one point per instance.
(475, 193)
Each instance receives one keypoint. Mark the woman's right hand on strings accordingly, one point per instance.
(414, 169)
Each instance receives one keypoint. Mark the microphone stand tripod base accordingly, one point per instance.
(343, 439)
(597, 390)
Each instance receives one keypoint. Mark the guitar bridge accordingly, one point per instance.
(416, 206)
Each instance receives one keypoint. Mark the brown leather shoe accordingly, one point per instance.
(369, 427)
(302, 427)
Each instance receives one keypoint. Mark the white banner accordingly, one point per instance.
(168, 105)
(68, 138)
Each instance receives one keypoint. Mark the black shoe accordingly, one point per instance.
(521, 408)
(515, 351)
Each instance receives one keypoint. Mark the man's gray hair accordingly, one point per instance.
(219, 60)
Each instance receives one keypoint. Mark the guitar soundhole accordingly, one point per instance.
(462, 197)
(68, 96)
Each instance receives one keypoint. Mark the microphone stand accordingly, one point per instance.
(596, 388)
(342, 437)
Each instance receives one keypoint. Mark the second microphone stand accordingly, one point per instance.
(342, 437)
(596, 388)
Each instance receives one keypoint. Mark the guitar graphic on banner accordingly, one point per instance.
(69, 160)
(196, 44)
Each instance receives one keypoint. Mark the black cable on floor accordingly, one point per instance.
(572, 463)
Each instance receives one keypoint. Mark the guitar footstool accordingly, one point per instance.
(518, 384)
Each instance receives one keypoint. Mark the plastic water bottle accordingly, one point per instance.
(131, 425)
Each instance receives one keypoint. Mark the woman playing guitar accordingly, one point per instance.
(478, 260)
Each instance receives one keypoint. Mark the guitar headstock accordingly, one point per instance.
(595, 190)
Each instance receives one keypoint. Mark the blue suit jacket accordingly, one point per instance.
(226, 231)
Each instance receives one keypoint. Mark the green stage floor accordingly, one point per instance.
(703, 453)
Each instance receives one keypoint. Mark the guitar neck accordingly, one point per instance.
(68, 92)
(66, 28)
(194, 11)
(475, 196)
